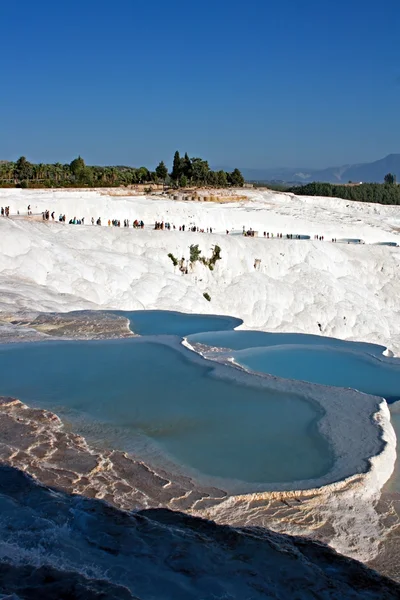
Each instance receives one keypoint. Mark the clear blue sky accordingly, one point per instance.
(253, 83)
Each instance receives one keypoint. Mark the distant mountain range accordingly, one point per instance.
(373, 172)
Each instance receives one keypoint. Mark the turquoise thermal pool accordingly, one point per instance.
(170, 407)
(156, 401)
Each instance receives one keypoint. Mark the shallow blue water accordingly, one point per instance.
(339, 367)
(317, 359)
(242, 339)
(148, 398)
(142, 396)
(162, 322)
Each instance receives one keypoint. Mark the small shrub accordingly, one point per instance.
(207, 296)
(216, 255)
(194, 253)
(174, 260)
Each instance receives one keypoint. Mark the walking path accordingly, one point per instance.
(161, 226)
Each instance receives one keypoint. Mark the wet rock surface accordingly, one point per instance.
(35, 440)
(66, 546)
(29, 582)
(72, 325)
(56, 545)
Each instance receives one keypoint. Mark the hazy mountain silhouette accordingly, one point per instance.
(365, 172)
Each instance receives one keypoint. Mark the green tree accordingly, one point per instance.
(382, 193)
(236, 178)
(162, 171)
(86, 176)
(77, 167)
(7, 171)
(390, 179)
(133, 178)
(58, 171)
(186, 166)
(176, 167)
(222, 178)
(23, 169)
(66, 172)
(39, 171)
(200, 170)
(183, 181)
(143, 175)
(212, 178)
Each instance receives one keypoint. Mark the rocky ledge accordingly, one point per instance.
(56, 545)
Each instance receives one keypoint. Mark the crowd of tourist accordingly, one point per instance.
(117, 223)
(166, 225)
(161, 225)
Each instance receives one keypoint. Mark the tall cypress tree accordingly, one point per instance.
(176, 167)
(187, 167)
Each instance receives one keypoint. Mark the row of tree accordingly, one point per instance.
(22, 173)
(196, 171)
(382, 193)
(185, 171)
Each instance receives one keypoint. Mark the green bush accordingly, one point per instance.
(195, 253)
(174, 260)
(216, 255)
